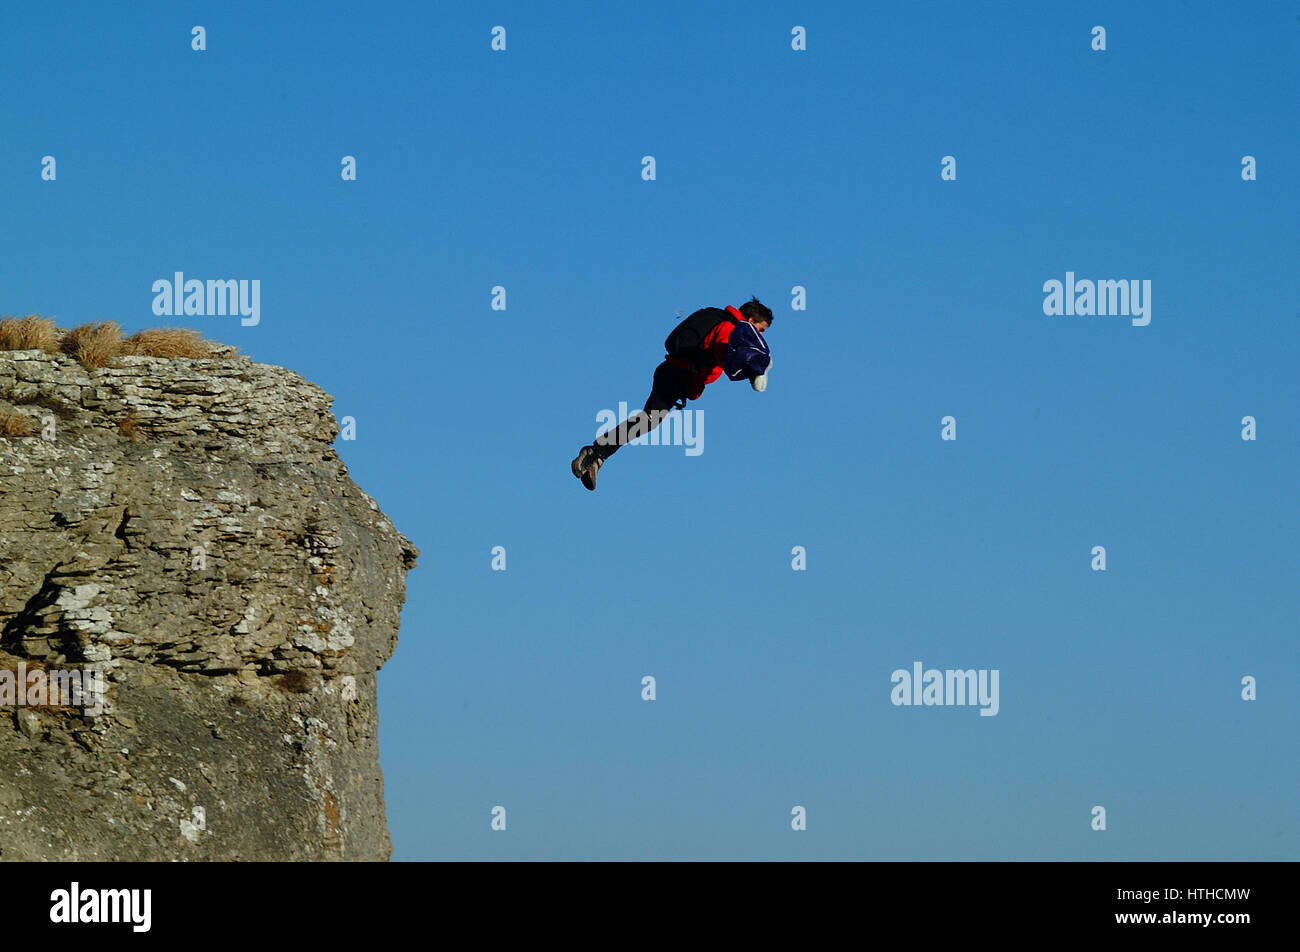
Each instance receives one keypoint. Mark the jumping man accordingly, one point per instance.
(703, 347)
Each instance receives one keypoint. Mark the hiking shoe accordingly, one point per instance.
(586, 465)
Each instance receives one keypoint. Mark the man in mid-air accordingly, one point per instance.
(703, 347)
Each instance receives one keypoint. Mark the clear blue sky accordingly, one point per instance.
(775, 168)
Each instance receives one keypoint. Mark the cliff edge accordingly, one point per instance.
(181, 532)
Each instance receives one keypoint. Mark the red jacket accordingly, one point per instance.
(715, 342)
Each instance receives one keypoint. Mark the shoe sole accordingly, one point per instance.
(582, 473)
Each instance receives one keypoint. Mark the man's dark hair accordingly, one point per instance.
(755, 312)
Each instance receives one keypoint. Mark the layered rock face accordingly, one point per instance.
(185, 528)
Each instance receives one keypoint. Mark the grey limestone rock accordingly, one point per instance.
(185, 528)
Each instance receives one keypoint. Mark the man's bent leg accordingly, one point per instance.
(671, 385)
(636, 425)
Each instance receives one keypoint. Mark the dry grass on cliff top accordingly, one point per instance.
(28, 333)
(93, 345)
(98, 343)
(167, 342)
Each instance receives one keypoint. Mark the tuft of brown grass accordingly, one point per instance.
(130, 427)
(167, 342)
(32, 332)
(93, 345)
(11, 664)
(15, 424)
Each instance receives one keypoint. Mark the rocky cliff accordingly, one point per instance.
(183, 530)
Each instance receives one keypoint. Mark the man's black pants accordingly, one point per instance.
(672, 385)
